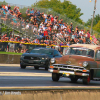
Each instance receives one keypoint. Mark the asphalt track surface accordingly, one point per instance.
(11, 75)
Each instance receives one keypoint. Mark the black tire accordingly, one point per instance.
(36, 67)
(22, 66)
(73, 79)
(55, 76)
(47, 66)
(86, 80)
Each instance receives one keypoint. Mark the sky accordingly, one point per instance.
(85, 6)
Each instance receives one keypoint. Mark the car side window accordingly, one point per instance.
(91, 53)
(50, 52)
(97, 56)
(68, 51)
(80, 51)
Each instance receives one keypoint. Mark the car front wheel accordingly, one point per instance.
(22, 66)
(47, 66)
(86, 80)
(36, 67)
(55, 76)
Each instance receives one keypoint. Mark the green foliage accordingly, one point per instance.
(24, 16)
(88, 23)
(2, 52)
(5, 29)
(95, 21)
(4, 3)
(97, 26)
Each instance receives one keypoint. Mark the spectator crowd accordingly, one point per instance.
(48, 29)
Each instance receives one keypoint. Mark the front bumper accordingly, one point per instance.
(69, 70)
(67, 73)
(33, 63)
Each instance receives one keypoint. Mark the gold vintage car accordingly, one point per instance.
(80, 61)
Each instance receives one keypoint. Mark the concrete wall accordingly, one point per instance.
(51, 94)
(9, 59)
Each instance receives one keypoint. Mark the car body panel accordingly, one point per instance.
(78, 60)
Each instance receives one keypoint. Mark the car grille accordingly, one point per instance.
(63, 67)
(31, 58)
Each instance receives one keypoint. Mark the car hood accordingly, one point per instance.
(73, 59)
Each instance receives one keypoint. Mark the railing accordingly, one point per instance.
(20, 26)
(19, 47)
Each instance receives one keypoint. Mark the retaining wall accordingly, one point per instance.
(50, 93)
(9, 59)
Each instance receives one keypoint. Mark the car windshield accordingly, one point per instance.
(42, 51)
(80, 51)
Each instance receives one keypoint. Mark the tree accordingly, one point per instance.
(97, 26)
(96, 20)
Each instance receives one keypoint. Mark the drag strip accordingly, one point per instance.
(14, 76)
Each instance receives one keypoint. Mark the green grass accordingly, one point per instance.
(2, 52)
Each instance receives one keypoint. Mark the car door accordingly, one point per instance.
(97, 59)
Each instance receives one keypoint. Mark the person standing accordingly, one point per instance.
(88, 36)
(46, 34)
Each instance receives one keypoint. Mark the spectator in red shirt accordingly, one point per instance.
(52, 19)
(46, 34)
(88, 34)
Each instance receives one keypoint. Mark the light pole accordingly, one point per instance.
(93, 15)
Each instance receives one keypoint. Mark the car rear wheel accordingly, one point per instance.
(55, 76)
(36, 67)
(74, 79)
(22, 66)
(86, 80)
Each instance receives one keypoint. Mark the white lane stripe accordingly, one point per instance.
(2, 78)
(10, 65)
(24, 74)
